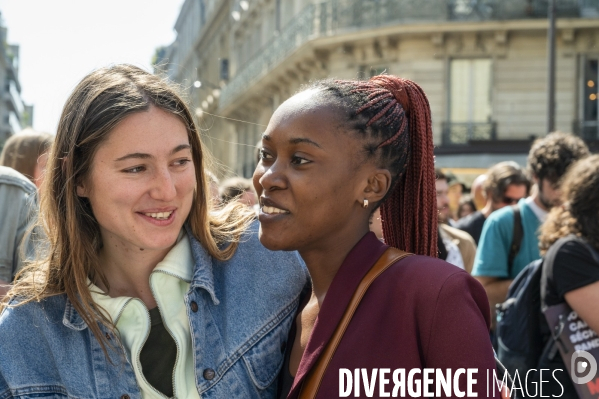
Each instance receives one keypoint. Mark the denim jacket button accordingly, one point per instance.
(125, 396)
(209, 373)
(194, 306)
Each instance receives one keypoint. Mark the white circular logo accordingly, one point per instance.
(587, 367)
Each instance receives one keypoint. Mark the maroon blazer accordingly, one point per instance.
(421, 312)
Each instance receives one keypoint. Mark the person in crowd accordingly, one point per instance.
(466, 206)
(506, 184)
(144, 292)
(455, 189)
(455, 246)
(496, 263)
(239, 189)
(477, 192)
(331, 155)
(569, 241)
(18, 210)
(27, 153)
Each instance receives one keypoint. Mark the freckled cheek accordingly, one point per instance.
(112, 211)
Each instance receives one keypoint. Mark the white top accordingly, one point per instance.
(539, 212)
(169, 283)
(454, 256)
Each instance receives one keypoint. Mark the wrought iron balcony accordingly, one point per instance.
(464, 133)
(334, 17)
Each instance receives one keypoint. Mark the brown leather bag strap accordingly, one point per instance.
(314, 378)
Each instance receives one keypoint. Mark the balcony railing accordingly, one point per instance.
(14, 97)
(464, 133)
(13, 122)
(587, 130)
(333, 17)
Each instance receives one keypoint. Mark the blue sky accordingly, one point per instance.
(63, 40)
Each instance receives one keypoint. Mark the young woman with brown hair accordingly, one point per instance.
(143, 290)
(330, 156)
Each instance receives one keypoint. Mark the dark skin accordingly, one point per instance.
(316, 172)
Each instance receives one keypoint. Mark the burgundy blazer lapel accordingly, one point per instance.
(355, 266)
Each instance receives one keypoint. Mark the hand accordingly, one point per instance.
(505, 392)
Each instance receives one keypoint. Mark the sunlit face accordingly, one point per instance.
(513, 194)
(142, 181)
(309, 178)
(442, 199)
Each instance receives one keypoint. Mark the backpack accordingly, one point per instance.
(523, 335)
(522, 331)
(517, 235)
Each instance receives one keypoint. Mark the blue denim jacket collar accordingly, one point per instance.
(203, 277)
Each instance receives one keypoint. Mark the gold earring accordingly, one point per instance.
(365, 204)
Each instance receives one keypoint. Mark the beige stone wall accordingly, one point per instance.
(419, 52)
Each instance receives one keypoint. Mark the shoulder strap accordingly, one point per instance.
(516, 239)
(312, 382)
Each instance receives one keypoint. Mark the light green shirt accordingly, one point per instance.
(169, 283)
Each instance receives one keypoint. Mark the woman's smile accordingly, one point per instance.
(270, 209)
(163, 218)
(142, 182)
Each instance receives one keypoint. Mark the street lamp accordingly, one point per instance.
(551, 68)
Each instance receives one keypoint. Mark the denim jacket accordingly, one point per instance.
(18, 208)
(240, 312)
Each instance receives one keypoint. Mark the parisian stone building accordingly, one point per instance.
(482, 63)
(15, 115)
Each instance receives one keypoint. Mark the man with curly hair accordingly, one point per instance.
(548, 160)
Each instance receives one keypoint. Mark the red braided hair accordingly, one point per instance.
(394, 116)
(409, 214)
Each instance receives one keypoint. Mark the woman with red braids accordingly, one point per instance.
(331, 155)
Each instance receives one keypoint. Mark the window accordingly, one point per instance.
(470, 91)
(590, 116)
(224, 69)
(469, 101)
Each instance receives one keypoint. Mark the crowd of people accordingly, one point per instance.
(129, 270)
(548, 208)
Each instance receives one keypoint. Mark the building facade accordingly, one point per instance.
(15, 115)
(482, 63)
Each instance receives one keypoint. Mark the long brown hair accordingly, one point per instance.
(100, 101)
(579, 212)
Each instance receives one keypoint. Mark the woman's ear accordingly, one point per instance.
(81, 190)
(378, 185)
